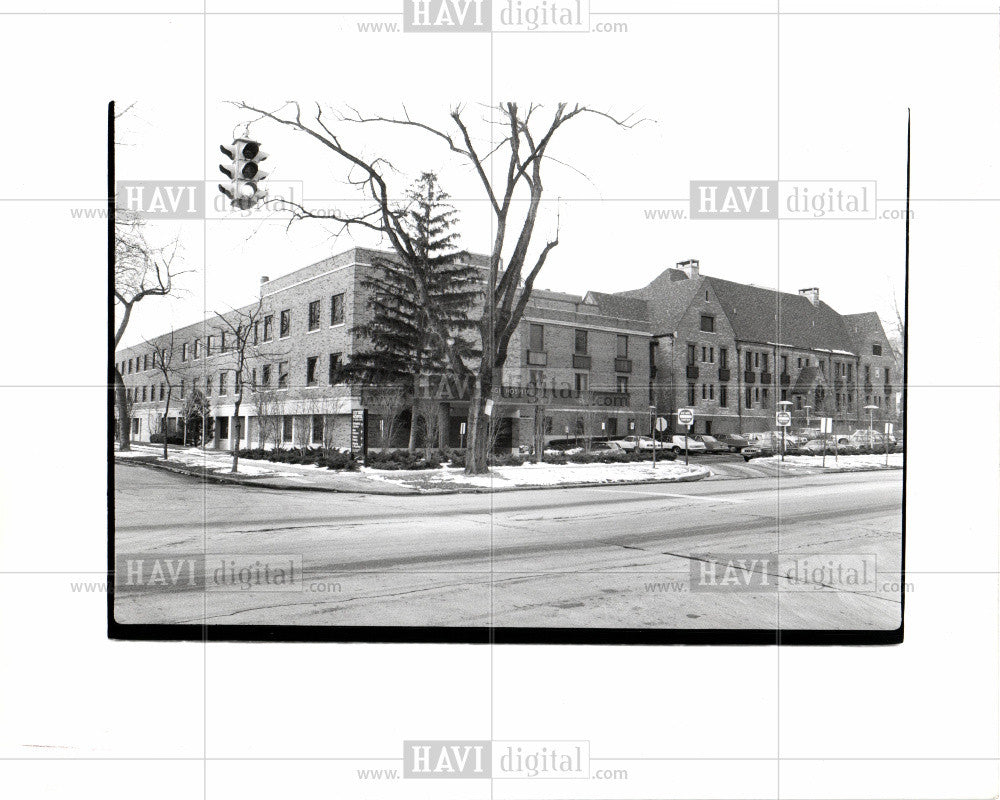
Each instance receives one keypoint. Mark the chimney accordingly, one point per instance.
(264, 279)
(689, 267)
(812, 294)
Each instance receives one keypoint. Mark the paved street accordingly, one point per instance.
(596, 557)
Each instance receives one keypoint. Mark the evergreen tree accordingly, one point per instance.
(401, 345)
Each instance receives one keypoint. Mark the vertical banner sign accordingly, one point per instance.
(359, 434)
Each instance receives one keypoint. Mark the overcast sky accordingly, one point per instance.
(714, 114)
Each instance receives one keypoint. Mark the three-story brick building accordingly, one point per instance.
(578, 367)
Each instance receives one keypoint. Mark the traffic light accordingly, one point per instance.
(244, 173)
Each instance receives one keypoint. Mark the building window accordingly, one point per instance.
(335, 366)
(268, 327)
(711, 391)
(798, 402)
(144, 393)
(612, 425)
(756, 360)
(536, 338)
(182, 388)
(317, 429)
(535, 377)
(822, 367)
(748, 361)
(704, 391)
(581, 381)
(314, 315)
(704, 354)
(691, 397)
(208, 347)
(265, 375)
(692, 351)
(708, 323)
(723, 358)
(876, 349)
(756, 393)
(764, 395)
(163, 393)
(286, 428)
(784, 365)
(184, 352)
(253, 378)
(311, 370)
(622, 345)
(337, 309)
(764, 360)
(621, 384)
(723, 395)
(286, 323)
(800, 363)
(208, 386)
(197, 348)
(222, 342)
(256, 332)
(784, 394)
(130, 366)
(222, 384)
(749, 398)
(283, 375)
(580, 342)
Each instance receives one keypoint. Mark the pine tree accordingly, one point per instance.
(401, 344)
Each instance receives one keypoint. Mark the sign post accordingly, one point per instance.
(661, 426)
(461, 435)
(685, 417)
(888, 430)
(825, 427)
(783, 419)
(652, 432)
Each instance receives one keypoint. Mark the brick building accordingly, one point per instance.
(578, 367)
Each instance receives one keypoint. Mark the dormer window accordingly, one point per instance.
(876, 349)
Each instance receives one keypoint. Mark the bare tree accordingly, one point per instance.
(511, 274)
(163, 355)
(238, 329)
(141, 271)
(388, 403)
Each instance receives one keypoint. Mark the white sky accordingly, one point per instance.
(709, 84)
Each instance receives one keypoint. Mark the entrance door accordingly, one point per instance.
(708, 427)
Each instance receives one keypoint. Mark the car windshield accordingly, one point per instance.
(707, 438)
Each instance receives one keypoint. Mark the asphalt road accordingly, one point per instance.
(717, 553)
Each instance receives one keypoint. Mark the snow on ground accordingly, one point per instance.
(217, 461)
(842, 462)
(540, 475)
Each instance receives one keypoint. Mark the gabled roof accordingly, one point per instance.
(667, 297)
(809, 377)
(866, 328)
(619, 306)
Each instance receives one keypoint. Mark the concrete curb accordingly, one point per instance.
(214, 477)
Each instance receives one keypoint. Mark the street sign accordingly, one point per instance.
(488, 411)
(826, 425)
(888, 427)
(685, 416)
(661, 423)
(783, 418)
(461, 428)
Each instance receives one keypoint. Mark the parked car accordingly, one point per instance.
(750, 452)
(734, 441)
(606, 447)
(863, 438)
(677, 445)
(712, 445)
(640, 442)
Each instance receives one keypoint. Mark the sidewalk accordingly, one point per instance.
(215, 465)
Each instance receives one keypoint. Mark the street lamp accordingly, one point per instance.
(784, 407)
(871, 424)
